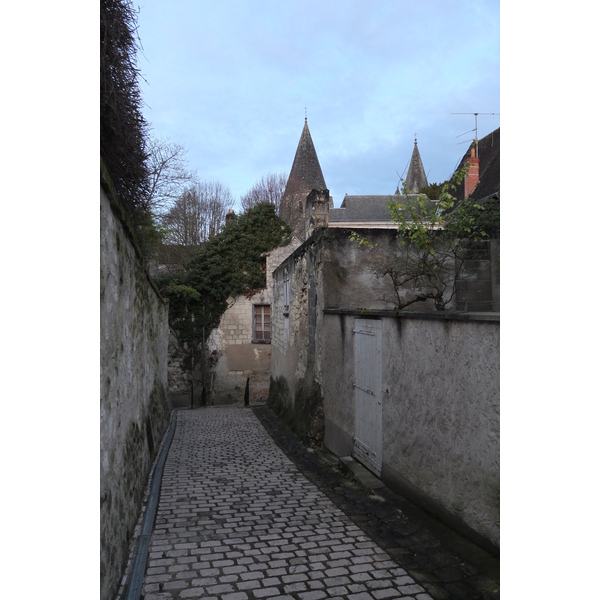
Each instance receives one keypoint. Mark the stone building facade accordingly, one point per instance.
(413, 395)
(239, 350)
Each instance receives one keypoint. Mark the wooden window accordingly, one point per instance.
(261, 326)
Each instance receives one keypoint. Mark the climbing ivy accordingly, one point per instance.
(227, 265)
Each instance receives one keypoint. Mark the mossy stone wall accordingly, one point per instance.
(134, 405)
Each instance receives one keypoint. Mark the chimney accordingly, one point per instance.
(317, 211)
(472, 178)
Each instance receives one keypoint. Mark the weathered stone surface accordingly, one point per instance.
(234, 356)
(134, 407)
(438, 378)
(305, 176)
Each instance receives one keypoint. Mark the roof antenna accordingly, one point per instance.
(475, 130)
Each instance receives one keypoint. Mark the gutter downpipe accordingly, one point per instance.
(136, 580)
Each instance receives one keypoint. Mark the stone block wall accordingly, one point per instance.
(275, 258)
(234, 356)
(236, 323)
(179, 377)
(134, 403)
(296, 341)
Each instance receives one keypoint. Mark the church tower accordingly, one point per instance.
(305, 176)
(416, 179)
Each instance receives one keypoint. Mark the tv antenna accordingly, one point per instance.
(475, 130)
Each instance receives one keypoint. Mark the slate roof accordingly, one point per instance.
(305, 176)
(489, 167)
(362, 209)
(306, 171)
(416, 179)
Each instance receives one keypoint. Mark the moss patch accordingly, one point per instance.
(280, 400)
(303, 414)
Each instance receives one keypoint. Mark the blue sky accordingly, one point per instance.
(231, 81)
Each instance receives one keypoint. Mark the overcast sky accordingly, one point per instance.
(231, 82)
(233, 87)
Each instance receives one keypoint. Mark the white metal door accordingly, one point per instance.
(368, 444)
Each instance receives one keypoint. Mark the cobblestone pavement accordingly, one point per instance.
(238, 518)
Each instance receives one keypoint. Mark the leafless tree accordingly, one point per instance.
(198, 214)
(417, 274)
(269, 188)
(430, 248)
(168, 174)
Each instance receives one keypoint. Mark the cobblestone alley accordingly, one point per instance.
(237, 519)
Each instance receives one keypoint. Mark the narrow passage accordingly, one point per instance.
(236, 520)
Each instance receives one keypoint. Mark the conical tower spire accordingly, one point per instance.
(305, 176)
(416, 179)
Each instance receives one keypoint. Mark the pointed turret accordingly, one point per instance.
(416, 179)
(305, 176)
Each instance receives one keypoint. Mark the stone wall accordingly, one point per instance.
(234, 356)
(179, 377)
(440, 411)
(294, 324)
(134, 404)
(439, 379)
(478, 284)
(351, 278)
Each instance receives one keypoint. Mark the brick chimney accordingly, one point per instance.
(472, 178)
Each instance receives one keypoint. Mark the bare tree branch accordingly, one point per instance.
(168, 173)
(430, 250)
(198, 214)
(269, 189)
